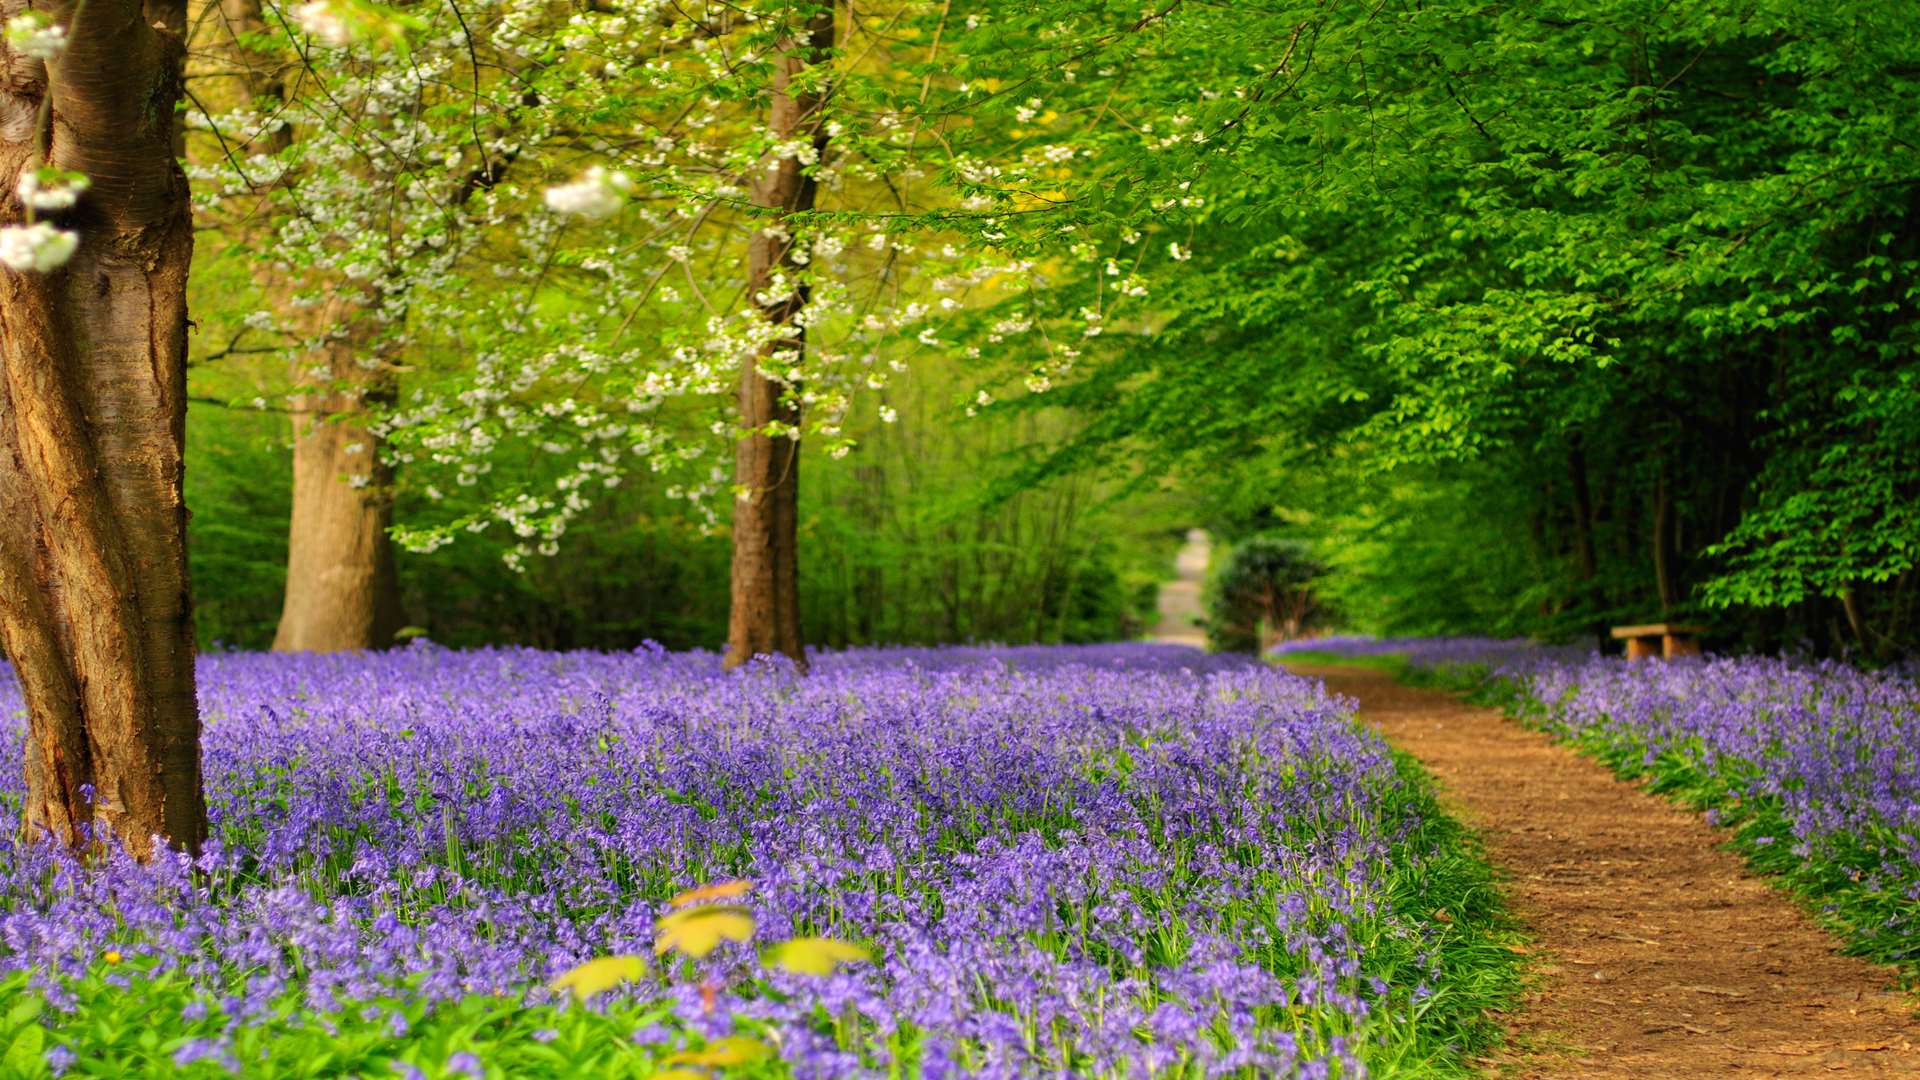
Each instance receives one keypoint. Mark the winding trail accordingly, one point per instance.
(1181, 610)
(1663, 956)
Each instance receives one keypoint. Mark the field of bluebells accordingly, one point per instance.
(1814, 766)
(1095, 861)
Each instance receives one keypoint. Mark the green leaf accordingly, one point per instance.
(27, 1053)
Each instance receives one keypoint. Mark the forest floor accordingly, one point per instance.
(1659, 954)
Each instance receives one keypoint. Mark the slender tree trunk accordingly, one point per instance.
(1856, 620)
(94, 602)
(342, 589)
(1584, 552)
(1665, 573)
(765, 616)
(1901, 608)
(259, 71)
(1582, 512)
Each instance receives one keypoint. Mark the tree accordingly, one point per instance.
(339, 206)
(748, 216)
(765, 615)
(718, 198)
(95, 611)
(343, 590)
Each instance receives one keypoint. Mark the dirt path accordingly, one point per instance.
(1180, 608)
(1663, 956)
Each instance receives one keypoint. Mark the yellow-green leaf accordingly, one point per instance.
(695, 931)
(721, 890)
(598, 976)
(816, 955)
(724, 1053)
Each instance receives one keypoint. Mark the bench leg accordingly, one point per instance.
(1640, 648)
(1679, 645)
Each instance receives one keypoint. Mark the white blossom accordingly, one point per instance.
(54, 190)
(39, 246)
(597, 193)
(33, 34)
(324, 21)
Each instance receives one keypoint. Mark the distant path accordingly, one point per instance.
(1180, 607)
(1663, 956)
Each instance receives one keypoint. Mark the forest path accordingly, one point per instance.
(1664, 956)
(1181, 610)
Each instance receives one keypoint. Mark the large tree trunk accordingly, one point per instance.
(94, 604)
(342, 588)
(765, 617)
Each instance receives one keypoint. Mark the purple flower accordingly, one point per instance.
(1012, 831)
(215, 1050)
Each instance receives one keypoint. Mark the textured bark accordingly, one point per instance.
(94, 604)
(765, 614)
(342, 588)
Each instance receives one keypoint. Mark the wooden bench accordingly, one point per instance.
(1674, 639)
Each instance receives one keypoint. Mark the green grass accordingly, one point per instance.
(1479, 950)
(133, 1021)
(1393, 663)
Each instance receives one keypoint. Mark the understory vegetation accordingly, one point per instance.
(1097, 861)
(905, 543)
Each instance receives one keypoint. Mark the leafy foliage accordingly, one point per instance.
(1633, 284)
(904, 542)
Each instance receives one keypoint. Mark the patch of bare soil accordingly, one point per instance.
(1661, 955)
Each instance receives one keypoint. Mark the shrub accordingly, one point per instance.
(1266, 586)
